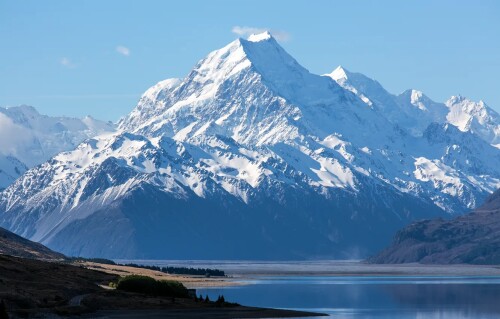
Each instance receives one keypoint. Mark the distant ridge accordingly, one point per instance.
(473, 239)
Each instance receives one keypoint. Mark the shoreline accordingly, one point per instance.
(222, 313)
(80, 287)
(190, 281)
(243, 273)
(31, 288)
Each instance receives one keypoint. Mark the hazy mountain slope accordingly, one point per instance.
(13, 245)
(10, 169)
(472, 238)
(249, 156)
(30, 138)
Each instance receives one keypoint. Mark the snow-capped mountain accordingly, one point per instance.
(415, 111)
(29, 138)
(475, 117)
(252, 156)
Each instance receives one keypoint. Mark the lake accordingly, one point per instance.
(372, 297)
(361, 296)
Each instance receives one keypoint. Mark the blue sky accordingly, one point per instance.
(96, 57)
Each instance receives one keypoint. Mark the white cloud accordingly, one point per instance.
(247, 31)
(12, 136)
(123, 50)
(66, 62)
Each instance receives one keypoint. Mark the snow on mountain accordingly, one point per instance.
(252, 156)
(475, 117)
(31, 138)
(414, 111)
(397, 110)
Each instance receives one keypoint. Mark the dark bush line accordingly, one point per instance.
(92, 260)
(182, 270)
(220, 302)
(169, 270)
(149, 286)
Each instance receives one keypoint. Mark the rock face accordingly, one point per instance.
(473, 238)
(13, 245)
(252, 156)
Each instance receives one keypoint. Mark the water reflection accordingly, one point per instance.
(466, 297)
(374, 297)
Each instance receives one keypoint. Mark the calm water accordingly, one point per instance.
(427, 295)
(372, 297)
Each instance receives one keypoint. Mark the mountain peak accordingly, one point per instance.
(340, 73)
(25, 109)
(466, 103)
(455, 99)
(257, 37)
(355, 79)
(261, 54)
(414, 96)
(476, 117)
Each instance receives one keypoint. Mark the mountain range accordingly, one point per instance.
(252, 156)
(31, 138)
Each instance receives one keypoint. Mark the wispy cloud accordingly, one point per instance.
(123, 50)
(67, 63)
(16, 135)
(247, 31)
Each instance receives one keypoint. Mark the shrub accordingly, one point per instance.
(221, 299)
(93, 260)
(149, 286)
